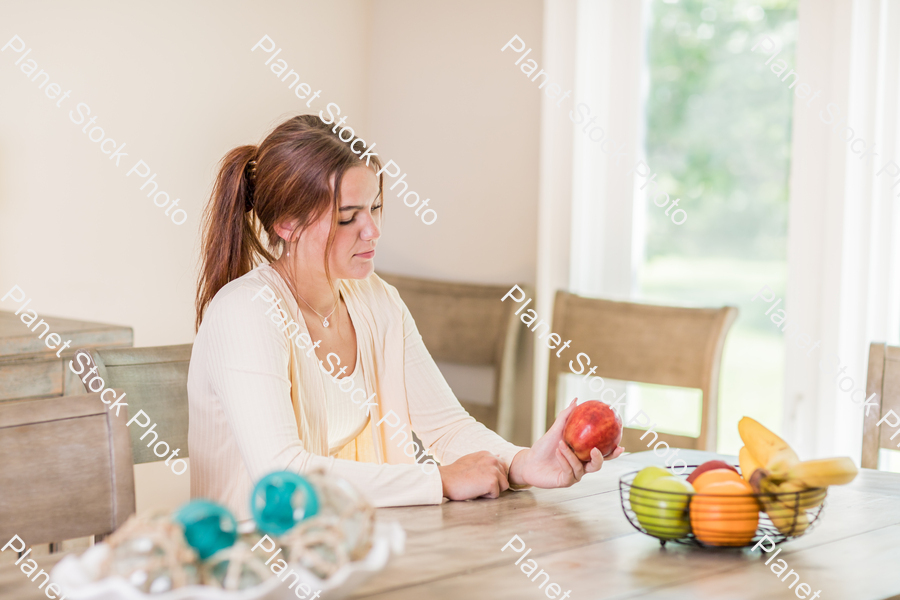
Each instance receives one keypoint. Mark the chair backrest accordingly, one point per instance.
(155, 381)
(468, 324)
(645, 343)
(65, 469)
(884, 380)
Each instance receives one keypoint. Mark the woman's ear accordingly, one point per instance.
(286, 230)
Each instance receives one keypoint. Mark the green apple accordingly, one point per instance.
(661, 506)
(648, 474)
(644, 478)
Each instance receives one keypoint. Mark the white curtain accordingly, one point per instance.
(554, 199)
(589, 233)
(844, 221)
(844, 216)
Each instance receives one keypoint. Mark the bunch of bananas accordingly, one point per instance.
(787, 487)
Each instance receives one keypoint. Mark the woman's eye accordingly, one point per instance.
(353, 218)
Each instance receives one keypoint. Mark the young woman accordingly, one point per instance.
(286, 351)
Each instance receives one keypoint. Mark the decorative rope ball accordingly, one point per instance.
(235, 568)
(208, 527)
(150, 552)
(317, 545)
(347, 508)
(280, 500)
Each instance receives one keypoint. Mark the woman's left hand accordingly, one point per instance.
(550, 463)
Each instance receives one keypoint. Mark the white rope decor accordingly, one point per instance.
(318, 545)
(240, 559)
(152, 554)
(149, 550)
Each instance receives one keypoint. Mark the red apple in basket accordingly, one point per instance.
(708, 466)
(593, 424)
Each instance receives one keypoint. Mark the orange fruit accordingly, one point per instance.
(715, 476)
(724, 513)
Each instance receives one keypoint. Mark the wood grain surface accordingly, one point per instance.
(31, 369)
(580, 536)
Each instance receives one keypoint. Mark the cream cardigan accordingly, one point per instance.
(257, 403)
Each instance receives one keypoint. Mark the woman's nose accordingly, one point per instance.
(370, 230)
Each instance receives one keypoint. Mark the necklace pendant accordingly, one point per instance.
(325, 322)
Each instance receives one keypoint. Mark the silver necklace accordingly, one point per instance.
(294, 290)
(324, 319)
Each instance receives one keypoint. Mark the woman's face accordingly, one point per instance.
(356, 234)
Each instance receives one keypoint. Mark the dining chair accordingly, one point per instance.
(467, 324)
(155, 381)
(883, 379)
(66, 469)
(645, 343)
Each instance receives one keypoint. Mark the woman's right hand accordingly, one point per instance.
(476, 475)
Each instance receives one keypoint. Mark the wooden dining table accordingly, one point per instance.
(582, 539)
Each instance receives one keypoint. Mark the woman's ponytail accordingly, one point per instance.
(293, 177)
(230, 232)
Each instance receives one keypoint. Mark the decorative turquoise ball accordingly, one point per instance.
(281, 500)
(208, 527)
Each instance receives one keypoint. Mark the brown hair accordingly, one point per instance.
(287, 177)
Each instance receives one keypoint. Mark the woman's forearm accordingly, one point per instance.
(389, 485)
(517, 469)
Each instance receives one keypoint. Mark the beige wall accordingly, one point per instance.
(463, 123)
(178, 84)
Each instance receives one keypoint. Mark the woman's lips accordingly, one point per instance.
(368, 254)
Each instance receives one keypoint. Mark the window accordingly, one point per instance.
(718, 129)
(679, 85)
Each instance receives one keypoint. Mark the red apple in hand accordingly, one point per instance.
(593, 424)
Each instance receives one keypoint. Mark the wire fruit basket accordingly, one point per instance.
(717, 520)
